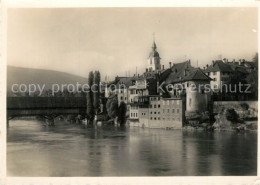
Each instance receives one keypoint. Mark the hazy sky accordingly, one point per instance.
(116, 40)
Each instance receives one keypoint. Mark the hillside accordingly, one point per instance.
(19, 75)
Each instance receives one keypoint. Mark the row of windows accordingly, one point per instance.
(143, 113)
(155, 98)
(155, 106)
(167, 102)
(121, 98)
(134, 107)
(173, 111)
(154, 112)
(134, 115)
(168, 119)
(136, 92)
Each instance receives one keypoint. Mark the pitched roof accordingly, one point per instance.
(219, 65)
(177, 72)
(196, 74)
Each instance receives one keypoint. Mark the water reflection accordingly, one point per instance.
(74, 150)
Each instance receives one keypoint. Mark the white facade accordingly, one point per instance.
(197, 98)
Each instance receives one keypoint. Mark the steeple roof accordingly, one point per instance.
(154, 52)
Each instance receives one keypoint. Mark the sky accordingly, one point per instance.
(116, 41)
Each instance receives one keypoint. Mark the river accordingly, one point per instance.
(75, 150)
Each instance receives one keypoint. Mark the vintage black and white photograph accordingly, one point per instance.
(128, 91)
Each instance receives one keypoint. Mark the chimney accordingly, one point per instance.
(134, 74)
(203, 68)
(225, 60)
(146, 69)
(138, 75)
(170, 64)
(213, 62)
(163, 67)
(239, 62)
(207, 65)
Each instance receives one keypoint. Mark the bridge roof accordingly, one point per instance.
(45, 102)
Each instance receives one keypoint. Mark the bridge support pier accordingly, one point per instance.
(49, 120)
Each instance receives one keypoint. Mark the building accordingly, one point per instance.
(158, 112)
(138, 89)
(154, 63)
(220, 74)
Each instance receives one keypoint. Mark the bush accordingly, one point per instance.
(244, 106)
(231, 115)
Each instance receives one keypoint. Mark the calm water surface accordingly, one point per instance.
(75, 150)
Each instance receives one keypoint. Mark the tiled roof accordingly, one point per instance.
(196, 74)
(177, 72)
(219, 65)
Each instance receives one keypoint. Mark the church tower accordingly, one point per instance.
(154, 63)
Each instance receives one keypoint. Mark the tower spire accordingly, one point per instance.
(154, 45)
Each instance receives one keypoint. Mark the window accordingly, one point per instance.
(168, 110)
(154, 118)
(214, 79)
(159, 118)
(173, 119)
(121, 98)
(125, 98)
(159, 106)
(158, 112)
(154, 106)
(121, 91)
(151, 106)
(151, 118)
(154, 112)
(168, 102)
(173, 110)
(151, 112)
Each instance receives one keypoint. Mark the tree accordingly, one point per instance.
(96, 93)
(112, 107)
(231, 115)
(252, 79)
(90, 108)
(122, 112)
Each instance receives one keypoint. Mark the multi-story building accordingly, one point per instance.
(220, 73)
(138, 89)
(158, 112)
(163, 109)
